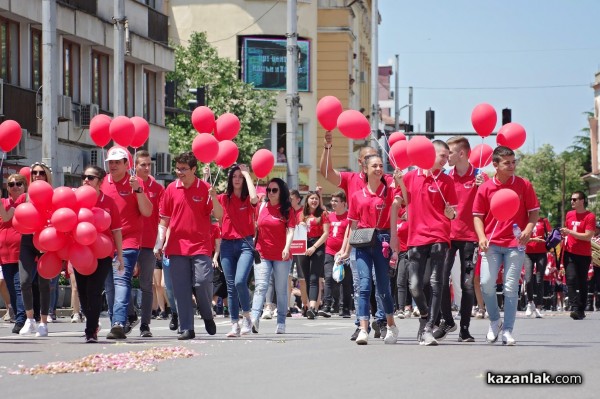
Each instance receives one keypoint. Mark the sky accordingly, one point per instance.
(536, 57)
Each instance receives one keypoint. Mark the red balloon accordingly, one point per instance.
(329, 109)
(40, 194)
(25, 171)
(63, 253)
(85, 215)
(481, 156)
(49, 265)
(99, 129)
(64, 219)
(504, 204)
(82, 258)
(483, 119)
(227, 127)
(421, 152)
(395, 137)
(205, 147)
(511, 135)
(399, 156)
(122, 130)
(20, 228)
(102, 219)
(353, 125)
(203, 119)
(85, 233)
(89, 268)
(64, 197)
(262, 163)
(29, 217)
(37, 244)
(10, 135)
(141, 131)
(86, 196)
(51, 239)
(228, 153)
(102, 247)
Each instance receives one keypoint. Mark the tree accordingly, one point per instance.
(579, 151)
(199, 65)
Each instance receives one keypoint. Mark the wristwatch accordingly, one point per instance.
(139, 190)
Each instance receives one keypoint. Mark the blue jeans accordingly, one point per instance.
(513, 260)
(169, 284)
(118, 288)
(262, 274)
(13, 284)
(236, 261)
(369, 262)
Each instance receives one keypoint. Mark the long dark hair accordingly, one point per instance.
(365, 164)
(284, 197)
(229, 191)
(318, 211)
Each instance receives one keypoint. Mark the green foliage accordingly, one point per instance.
(199, 65)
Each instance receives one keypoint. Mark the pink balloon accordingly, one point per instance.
(25, 171)
(329, 109)
(63, 253)
(395, 137)
(481, 156)
(49, 265)
(40, 194)
(19, 227)
(227, 127)
(82, 258)
(203, 119)
(64, 219)
(89, 268)
(399, 156)
(228, 154)
(29, 217)
(205, 147)
(36, 242)
(511, 135)
(64, 197)
(102, 219)
(86, 196)
(122, 130)
(483, 119)
(421, 152)
(85, 215)
(353, 125)
(10, 135)
(102, 247)
(51, 239)
(262, 163)
(141, 131)
(504, 204)
(99, 129)
(85, 233)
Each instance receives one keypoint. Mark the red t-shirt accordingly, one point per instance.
(462, 228)
(154, 191)
(352, 182)
(372, 210)
(402, 229)
(109, 206)
(215, 234)
(541, 227)
(242, 214)
(131, 218)
(189, 210)
(427, 223)
(580, 223)
(503, 232)
(272, 231)
(337, 231)
(314, 226)
(10, 239)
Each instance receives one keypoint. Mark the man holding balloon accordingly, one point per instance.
(501, 202)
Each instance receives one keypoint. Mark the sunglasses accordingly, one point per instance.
(38, 172)
(89, 177)
(18, 184)
(273, 190)
(575, 199)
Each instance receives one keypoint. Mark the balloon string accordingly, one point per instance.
(438, 187)
(327, 162)
(493, 230)
(481, 154)
(2, 162)
(382, 147)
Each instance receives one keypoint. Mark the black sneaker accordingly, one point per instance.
(422, 324)
(174, 323)
(116, 332)
(91, 339)
(154, 314)
(355, 334)
(577, 315)
(225, 311)
(311, 313)
(325, 312)
(376, 329)
(186, 334)
(210, 326)
(464, 335)
(442, 331)
(17, 328)
(304, 311)
(145, 331)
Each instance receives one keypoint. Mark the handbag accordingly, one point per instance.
(553, 238)
(362, 238)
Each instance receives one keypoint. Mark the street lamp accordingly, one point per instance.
(397, 116)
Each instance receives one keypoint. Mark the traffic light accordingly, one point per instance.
(200, 98)
(506, 116)
(429, 123)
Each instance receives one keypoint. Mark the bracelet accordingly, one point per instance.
(327, 148)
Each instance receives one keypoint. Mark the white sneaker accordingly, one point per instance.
(507, 338)
(267, 314)
(42, 330)
(494, 331)
(392, 335)
(538, 314)
(235, 331)
(30, 327)
(416, 312)
(246, 326)
(280, 328)
(363, 337)
(530, 309)
(75, 318)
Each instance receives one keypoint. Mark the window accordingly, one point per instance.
(100, 80)
(129, 89)
(281, 140)
(36, 59)
(9, 51)
(71, 79)
(150, 96)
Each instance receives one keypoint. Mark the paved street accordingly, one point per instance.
(315, 359)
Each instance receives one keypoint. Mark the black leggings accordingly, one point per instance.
(535, 287)
(28, 271)
(312, 268)
(404, 296)
(90, 290)
(576, 272)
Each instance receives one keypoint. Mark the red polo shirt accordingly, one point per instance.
(238, 217)
(189, 212)
(337, 230)
(539, 231)
(154, 191)
(427, 223)
(402, 229)
(503, 234)
(272, 231)
(109, 206)
(580, 223)
(352, 182)
(462, 228)
(372, 210)
(10, 239)
(314, 226)
(215, 234)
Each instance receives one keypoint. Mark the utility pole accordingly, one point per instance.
(563, 190)
(119, 58)
(410, 106)
(374, 73)
(292, 99)
(50, 90)
(396, 96)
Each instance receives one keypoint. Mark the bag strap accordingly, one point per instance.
(235, 228)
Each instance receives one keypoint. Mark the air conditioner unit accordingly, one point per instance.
(1, 97)
(97, 157)
(65, 108)
(20, 151)
(163, 163)
(88, 111)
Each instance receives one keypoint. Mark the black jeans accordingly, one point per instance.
(28, 271)
(90, 290)
(332, 288)
(465, 252)
(418, 277)
(535, 287)
(404, 296)
(576, 272)
(312, 268)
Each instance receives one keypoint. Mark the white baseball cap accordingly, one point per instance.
(116, 154)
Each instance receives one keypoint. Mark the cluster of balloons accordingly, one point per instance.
(65, 225)
(122, 130)
(484, 119)
(10, 135)
(351, 123)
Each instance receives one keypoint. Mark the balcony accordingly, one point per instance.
(89, 6)
(20, 107)
(158, 26)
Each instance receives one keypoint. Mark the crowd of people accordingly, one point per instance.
(385, 247)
